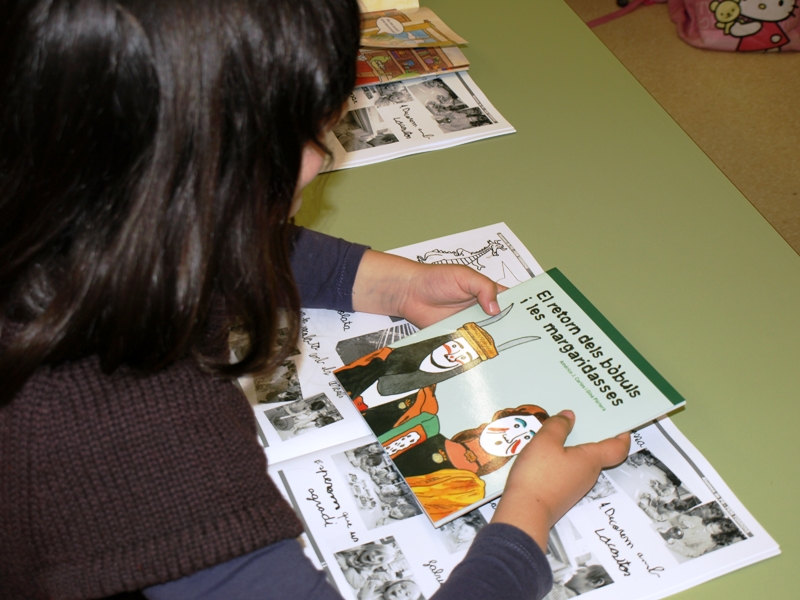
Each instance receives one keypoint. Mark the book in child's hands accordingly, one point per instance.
(453, 404)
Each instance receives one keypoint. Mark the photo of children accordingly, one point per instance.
(381, 496)
(282, 385)
(585, 578)
(699, 531)
(449, 111)
(458, 534)
(308, 414)
(602, 489)
(575, 569)
(360, 129)
(390, 93)
(378, 571)
(658, 492)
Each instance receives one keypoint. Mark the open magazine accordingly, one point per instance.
(661, 522)
(389, 120)
(412, 92)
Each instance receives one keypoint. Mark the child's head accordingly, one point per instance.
(588, 578)
(402, 511)
(390, 489)
(150, 152)
(405, 589)
(372, 555)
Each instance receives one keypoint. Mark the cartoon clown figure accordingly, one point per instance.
(758, 25)
(404, 378)
(445, 473)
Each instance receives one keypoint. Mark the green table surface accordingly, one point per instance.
(600, 182)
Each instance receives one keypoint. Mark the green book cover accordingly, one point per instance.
(454, 403)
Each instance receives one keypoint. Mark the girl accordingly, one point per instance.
(152, 154)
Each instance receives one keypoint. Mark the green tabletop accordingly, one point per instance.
(600, 182)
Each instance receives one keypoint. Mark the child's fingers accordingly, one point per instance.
(608, 453)
(482, 288)
(611, 452)
(556, 429)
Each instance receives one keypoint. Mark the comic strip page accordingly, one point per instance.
(398, 118)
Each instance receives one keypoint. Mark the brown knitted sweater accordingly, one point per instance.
(113, 483)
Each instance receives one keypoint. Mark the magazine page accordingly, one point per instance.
(493, 250)
(455, 403)
(661, 522)
(406, 28)
(363, 526)
(389, 120)
(381, 65)
(301, 407)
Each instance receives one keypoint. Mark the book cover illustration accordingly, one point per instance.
(409, 28)
(454, 403)
(381, 65)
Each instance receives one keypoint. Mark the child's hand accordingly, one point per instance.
(422, 294)
(547, 479)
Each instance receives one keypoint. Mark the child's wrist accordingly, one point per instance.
(526, 512)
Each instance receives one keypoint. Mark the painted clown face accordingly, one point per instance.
(450, 355)
(509, 435)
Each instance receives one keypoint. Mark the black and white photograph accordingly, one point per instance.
(602, 489)
(653, 486)
(379, 570)
(449, 111)
(302, 416)
(572, 575)
(363, 128)
(390, 93)
(282, 385)
(458, 534)
(586, 577)
(380, 493)
(701, 530)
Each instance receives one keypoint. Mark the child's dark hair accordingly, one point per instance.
(149, 154)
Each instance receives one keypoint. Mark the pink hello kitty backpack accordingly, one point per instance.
(730, 25)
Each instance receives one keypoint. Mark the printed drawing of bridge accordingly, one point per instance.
(461, 256)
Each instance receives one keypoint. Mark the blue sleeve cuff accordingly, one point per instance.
(502, 557)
